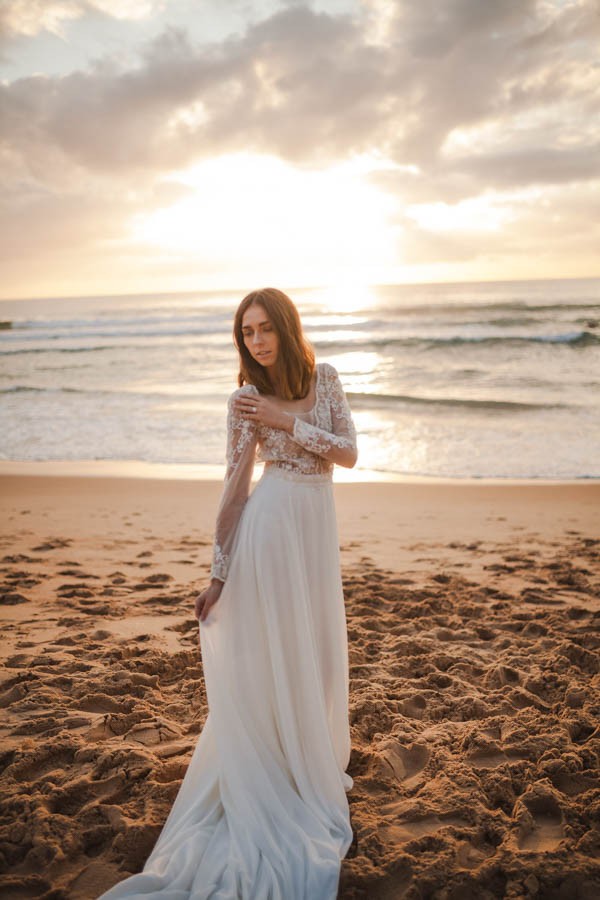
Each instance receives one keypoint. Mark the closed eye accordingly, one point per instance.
(266, 326)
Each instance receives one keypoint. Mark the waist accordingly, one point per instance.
(276, 470)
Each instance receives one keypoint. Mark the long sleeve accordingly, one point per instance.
(338, 446)
(241, 450)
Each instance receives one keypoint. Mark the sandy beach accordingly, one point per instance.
(472, 611)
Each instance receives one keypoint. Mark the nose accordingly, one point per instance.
(257, 339)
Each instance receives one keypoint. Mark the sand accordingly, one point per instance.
(472, 617)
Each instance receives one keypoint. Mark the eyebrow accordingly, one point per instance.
(266, 322)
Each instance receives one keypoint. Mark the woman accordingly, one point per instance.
(262, 812)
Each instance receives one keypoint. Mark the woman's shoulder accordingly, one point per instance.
(244, 390)
(327, 371)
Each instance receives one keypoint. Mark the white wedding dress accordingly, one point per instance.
(262, 812)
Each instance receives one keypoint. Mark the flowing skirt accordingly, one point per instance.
(262, 812)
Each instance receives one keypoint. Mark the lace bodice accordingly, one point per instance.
(321, 437)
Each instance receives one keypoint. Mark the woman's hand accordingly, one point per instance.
(264, 412)
(207, 599)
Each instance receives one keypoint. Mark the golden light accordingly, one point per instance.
(485, 213)
(347, 296)
(259, 215)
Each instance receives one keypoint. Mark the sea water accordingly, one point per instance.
(497, 379)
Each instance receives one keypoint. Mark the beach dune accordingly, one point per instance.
(472, 613)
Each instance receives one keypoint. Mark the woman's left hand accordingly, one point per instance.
(264, 412)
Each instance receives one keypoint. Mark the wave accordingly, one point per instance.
(95, 392)
(49, 332)
(140, 347)
(576, 339)
(111, 319)
(28, 389)
(220, 319)
(573, 339)
(20, 350)
(358, 400)
(371, 400)
(498, 306)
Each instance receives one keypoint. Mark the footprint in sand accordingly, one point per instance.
(13, 693)
(405, 763)
(541, 823)
(20, 579)
(403, 831)
(20, 558)
(533, 595)
(580, 732)
(74, 590)
(501, 675)
(11, 598)
(165, 600)
(152, 734)
(102, 703)
(35, 764)
(491, 758)
(413, 707)
(151, 580)
(75, 573)
(52, 544)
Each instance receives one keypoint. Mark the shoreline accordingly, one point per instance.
(130, 468)
(381, 521)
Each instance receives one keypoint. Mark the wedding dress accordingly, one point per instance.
(262, 812)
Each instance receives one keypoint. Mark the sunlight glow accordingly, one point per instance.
(270, 217)
(474, 214)
(346, 296)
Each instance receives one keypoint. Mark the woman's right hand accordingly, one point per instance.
(264, 411)
(207, 599)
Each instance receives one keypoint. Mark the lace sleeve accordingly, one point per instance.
(340, 446)
(241, 450)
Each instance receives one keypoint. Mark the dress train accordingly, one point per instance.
(262, 812)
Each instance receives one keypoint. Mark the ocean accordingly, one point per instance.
(486, 380)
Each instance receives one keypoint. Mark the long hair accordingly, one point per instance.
(295, 360)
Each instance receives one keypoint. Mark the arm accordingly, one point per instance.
(340, 446)
(241, 448)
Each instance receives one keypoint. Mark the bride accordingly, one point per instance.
(262, 812)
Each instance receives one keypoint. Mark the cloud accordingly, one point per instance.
(310, 87)
(462, 98)
(552, 231)
(29, 17)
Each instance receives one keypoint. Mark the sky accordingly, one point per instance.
(148, 145)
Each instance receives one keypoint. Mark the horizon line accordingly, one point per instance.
(312, 287)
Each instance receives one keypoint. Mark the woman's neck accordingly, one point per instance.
(274, 379)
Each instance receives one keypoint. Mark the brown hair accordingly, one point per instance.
(295, 359)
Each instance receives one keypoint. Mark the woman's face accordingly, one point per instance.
(259, 336)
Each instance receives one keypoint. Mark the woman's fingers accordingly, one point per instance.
(208, 605)
(247, 404)
(205, 602)
(250, 409)
(198, 605)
